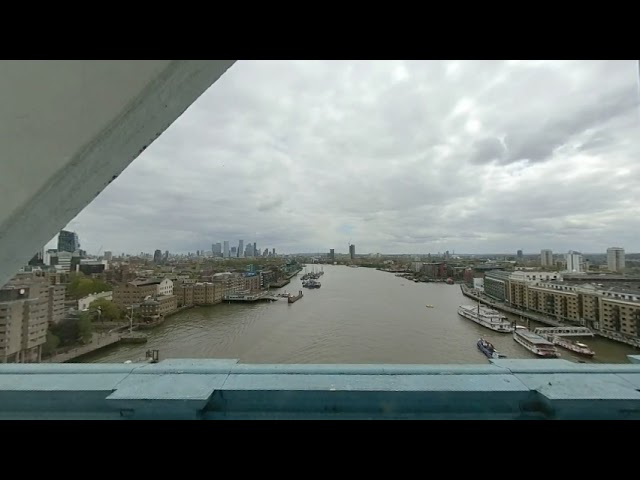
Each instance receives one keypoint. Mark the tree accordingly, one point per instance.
(85, 327)
(49, 348)
(73, 330)
(110, 312)
(81, 286)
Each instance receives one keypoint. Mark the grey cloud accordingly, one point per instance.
(407, 154)
(487, 150)
(538, 141)
(267, 205)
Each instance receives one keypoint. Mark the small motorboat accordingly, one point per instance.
(488, 349)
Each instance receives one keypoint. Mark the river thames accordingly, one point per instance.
(360, 315)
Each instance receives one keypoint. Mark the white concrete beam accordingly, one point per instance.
(68, 128)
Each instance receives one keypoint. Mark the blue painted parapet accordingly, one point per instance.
(224, 389)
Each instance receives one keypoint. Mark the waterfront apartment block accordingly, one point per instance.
(613, 309)
(158, 307)
(552, 299)
(200, 293)
(267, 277)
(138, 290)
(230, 282)
(207, 293)
(184, 294)
(496, 285)
(620, 312)
(252, 283)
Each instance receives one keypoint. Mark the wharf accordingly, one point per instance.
(616, 337)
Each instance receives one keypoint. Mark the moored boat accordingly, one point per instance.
(535, 343)
(488, 349)
(486, 317)
(311, 284)
(576, 347)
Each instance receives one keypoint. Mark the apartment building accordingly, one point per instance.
(158, 307)
(620, 312)
(134, 292)
(554, 299)
(252, 283)
(613, 309)
(207, 293)
(496, 285)
(230, 282)
(138, 290)
(55, 303)
(24, 314)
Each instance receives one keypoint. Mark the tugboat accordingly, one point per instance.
(488, 349)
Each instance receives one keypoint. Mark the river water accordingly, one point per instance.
(360, 315)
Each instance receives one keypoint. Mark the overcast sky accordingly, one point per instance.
(394, 156)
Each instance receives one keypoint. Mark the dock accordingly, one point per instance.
(292, 299)
(501, 306)
(548, 321)
(250, 297)
(565, 331)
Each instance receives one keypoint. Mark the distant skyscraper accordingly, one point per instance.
(265, 253)
(352, 251)
(273, 251)
(546, 258)
(256, 252)
(234, 251)
(226, 249)
(216, 249)
(332, 255)
(574, 261)
(615, 259)
(519, 254)
(241, 248)
(68, 241)
(157, 256)
(108, 255)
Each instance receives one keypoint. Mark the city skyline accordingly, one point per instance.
(401, 157)
(227, 244)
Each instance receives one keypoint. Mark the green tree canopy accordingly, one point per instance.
(81, 286)
(49, 348)
(85, 328)
(73, 330)
(110, 312)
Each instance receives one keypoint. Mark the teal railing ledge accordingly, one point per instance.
(224, 389)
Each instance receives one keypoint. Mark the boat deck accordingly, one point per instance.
(533, 338)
